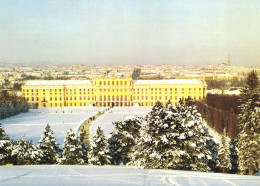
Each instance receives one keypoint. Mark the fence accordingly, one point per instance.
(219, 120)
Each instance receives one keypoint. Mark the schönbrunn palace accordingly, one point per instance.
(111, 92)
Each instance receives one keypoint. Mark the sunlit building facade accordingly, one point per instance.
(111, 92)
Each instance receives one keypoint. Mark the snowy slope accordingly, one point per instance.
(32, 124)
(114, 175)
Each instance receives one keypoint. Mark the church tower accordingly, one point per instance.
(228, 60)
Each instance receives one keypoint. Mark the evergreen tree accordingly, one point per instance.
(173, 138)
(233, 155)
(98, 154)
(213, 147)
(224, 164)
(153, 142)
(249, 126)
(49, 147)
(19, 152)
(193, 138)
(123, 138)
(85, 149)
(5, 147)
(72, 150)
(33, 155)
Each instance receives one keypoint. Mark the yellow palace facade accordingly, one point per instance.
(111, 92)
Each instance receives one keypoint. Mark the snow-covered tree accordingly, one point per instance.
(25, 153)
(123, 138)
(98, 154)
(213, 147)
(249, 125)
(33, 155)
(49, 147)
(233, 155)
(193, 136)
(154, 141)
(72, 150)
(224, 164)
(173, 138)
(19, 152)
(5, 147)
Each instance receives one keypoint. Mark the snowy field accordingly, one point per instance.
(105, 121)
(32, 123)
(114, 175)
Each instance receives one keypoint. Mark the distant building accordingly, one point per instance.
(111, 92)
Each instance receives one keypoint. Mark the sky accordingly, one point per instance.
(121, 32)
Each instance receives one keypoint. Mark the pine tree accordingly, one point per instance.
(98, 154)
(5, 147)
(151, 148)
(249, 126)
(33, 155)
(193, 135)
(224, 164)
(49, 147)
(19, 152)
(233, 155)
(72, 150)
(213, 147)
(123, 138)
(173, 138)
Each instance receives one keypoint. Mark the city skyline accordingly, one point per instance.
(129, 32)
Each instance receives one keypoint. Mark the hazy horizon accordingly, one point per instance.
(129, 32)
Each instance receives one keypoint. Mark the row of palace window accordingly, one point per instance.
(165, 89)
(59, 90)
(112, 90)
(107, 98)
(118, 98)
(135, 91)
(159, 97)
(60, 98)
(117, 83)
(67, 104)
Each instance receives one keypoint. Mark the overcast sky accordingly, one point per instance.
(176, 32)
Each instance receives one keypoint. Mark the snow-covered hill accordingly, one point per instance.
(114, 175)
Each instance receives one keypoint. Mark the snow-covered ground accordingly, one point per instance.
(105, 121)
(114, 175)
(32, 123)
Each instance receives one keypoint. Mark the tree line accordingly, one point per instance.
(11, 104)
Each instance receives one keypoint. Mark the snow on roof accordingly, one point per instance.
(58, 82)
(165, 82)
